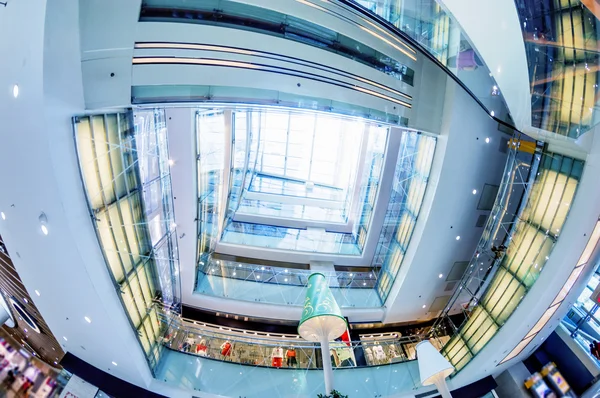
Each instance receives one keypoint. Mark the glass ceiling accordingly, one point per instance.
(319, 170)
(305, 182)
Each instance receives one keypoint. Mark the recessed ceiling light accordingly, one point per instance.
(87, 319)
(171, 162)
(15, 90)
(487, 140)
(37, 292)
(234, 274)
(458, 237)
(257, 276)
(440, 276)
(492, 113)
(239, 265)
(65, 338)
(114, 363)
(351, 274)
(285, 280)
(2, 215)
(286, 271)
(44, 223)
(56, 363)
(25, 300)
(364, 283)
(474, 192)
(424, 306)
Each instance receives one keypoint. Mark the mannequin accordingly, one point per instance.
(277, 357)
(369, 354)
(201, 348)
(290, 356)
(394, 356)
(226, 349)
(379, 353)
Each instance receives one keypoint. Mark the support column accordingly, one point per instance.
(327, 367)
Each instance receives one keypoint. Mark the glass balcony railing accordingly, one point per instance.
(276, 285)
(238, 362)
(439, 34)
(561, 41)
(263, 349)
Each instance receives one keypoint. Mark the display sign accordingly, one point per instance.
(596, 295)
(79, 388)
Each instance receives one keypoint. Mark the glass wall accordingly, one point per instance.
(123, 161)
(518, 258)
(410, 180)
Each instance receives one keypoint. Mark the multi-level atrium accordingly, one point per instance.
(174, 171)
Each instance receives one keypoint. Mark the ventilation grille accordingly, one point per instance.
(503, 145)
(481, 221)
(450, 286)
(488, 196)
(439, 303)
(457, 271)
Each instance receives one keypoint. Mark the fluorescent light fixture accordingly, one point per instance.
(37, 292)
(15, 90)
(440, 276)
(2, 215)
(87, 319)
(487, 140)
(424, 306)
(458, 237)
(25, 300)
(65, 338)
(114, 363)
(474, 192)
(44, 229)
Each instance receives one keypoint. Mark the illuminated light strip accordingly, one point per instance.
(193, 61)
(237, 64)
(573, 277)
(367, 91)
(205, 47)
(411, 56)
(412, 50)
(192, 46)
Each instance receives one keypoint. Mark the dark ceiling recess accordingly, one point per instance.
(450, 286)
(26, 314)
(481, 221)
(488, 197)
(457, 271)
